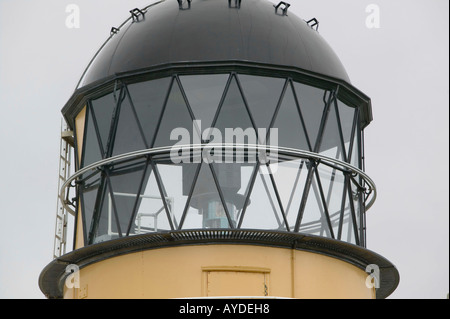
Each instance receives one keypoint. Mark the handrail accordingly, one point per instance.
(370, 190)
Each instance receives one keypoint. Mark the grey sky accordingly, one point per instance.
(402, 66)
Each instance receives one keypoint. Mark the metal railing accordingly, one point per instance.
(139, 227)
(358, 178)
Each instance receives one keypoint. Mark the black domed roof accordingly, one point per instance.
(213, 30)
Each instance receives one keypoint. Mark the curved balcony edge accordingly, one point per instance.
(53, 276)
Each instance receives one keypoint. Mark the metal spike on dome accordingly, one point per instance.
(313, 23)
(135, 13)
(284, 9)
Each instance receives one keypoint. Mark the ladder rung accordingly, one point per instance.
(68, 137)
(67, 141)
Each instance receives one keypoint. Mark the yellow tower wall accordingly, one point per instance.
(221, 270)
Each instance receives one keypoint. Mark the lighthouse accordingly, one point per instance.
(219, 152)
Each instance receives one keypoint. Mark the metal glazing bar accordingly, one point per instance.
(326, 111)
(270, 199)
(353, 214)
(321, 207)
(115, 120)
(94, 122)
(222, 198)
(245, 102)
(163, 197)
(136, 117)
(166, 197)
(222, 99)
(362, 226)
(341, 135)
(324, 203)
(297, 178)
(342, 214)
(361, 164)
(333, 177)
(280, 101)
(169, 90)
(352, 135)
(323, 122)
(186, 101)
(191, 191)
(277, 195)
(249, 192)
(299, 110)
(246, 194)
(97, 211)
(118, 86)
(113, 202)
(305, 195)
(136, 202)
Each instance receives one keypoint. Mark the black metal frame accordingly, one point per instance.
(313, 179)
(347, 92)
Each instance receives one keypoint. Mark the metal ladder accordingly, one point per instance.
(66, 143)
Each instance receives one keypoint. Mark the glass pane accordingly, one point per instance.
(290, 178)
(151, 215)
(233, 121)
(313, 219)
(333, 183)
(263, 210)
(176, 119)
(346, 232)
(234, 180)
(312, 105)
(331, 145)
(128, 135)
(88, 197)
(355, 156)
(103, 109)
(125, 182)
(262, 95)
(177, 180)
(91, 151)
(356, 197)
(290, 129)
(204, 93)
(346, 115)
(110, 218)
(104, 219)
(148, 100)
(324, 214)
(206, 209)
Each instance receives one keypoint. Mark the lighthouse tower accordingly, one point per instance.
(218, 151)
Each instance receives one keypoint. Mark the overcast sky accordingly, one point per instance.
(402, 64)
